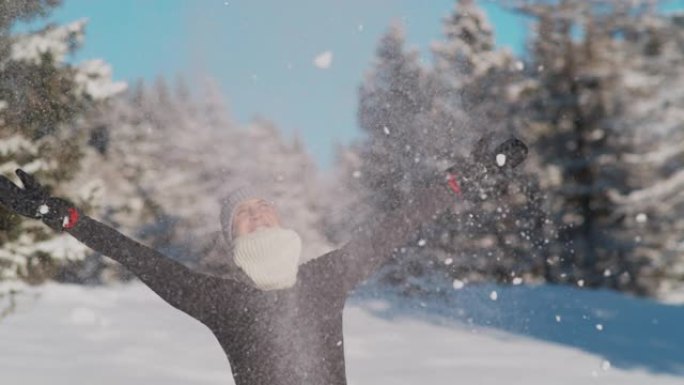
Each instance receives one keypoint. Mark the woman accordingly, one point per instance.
(278, 321)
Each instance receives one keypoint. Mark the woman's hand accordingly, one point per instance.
(33, 201)
(24, 201)
(466, 177)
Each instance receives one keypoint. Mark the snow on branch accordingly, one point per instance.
(57, 42)
(94, 78)
(650, 196)
(17, 144)
(657, 157)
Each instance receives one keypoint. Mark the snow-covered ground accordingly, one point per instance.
(124, 334)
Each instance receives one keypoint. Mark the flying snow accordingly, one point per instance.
(501, 160)
(43, 209)
(605, 365)
(641, 218)
(458, 284)
(494, 295)
(323, 60)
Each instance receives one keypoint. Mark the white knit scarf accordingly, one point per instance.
(269, 256)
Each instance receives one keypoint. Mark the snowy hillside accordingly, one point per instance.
(543, 335)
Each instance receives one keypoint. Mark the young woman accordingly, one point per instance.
(278, 321)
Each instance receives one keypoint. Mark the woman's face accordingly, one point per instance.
(254, 214)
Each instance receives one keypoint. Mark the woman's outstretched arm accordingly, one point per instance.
(181, 287)
(373, 244)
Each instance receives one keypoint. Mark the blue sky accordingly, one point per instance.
(262, 51)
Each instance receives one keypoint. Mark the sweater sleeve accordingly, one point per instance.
(372, 244)
(184, 289)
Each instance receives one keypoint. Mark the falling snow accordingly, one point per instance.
(323, 60)
(501, 160)
(641, 218)
(493, 295)
(605, 365)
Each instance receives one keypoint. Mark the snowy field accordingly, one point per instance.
(124, 334)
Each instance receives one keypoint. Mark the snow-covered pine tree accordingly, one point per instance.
(392, 100)
(472, 73)
(654, 80)
(394, 113)
(576, 100)
(41, 99)
(419, 122)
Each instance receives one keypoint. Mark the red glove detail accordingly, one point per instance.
(72, 219)
(452, 181)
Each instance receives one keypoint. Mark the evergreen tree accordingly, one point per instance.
(394, 106)
(41, 99)
(419, 122)
(653, 207)
(577, 106)
(472, 77)
(392, 101)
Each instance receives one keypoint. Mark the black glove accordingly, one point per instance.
(466, 177)
(33, 201)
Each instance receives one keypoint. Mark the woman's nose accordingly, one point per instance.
(254, 214)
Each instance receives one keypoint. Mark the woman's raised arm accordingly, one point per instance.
(187, 290)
